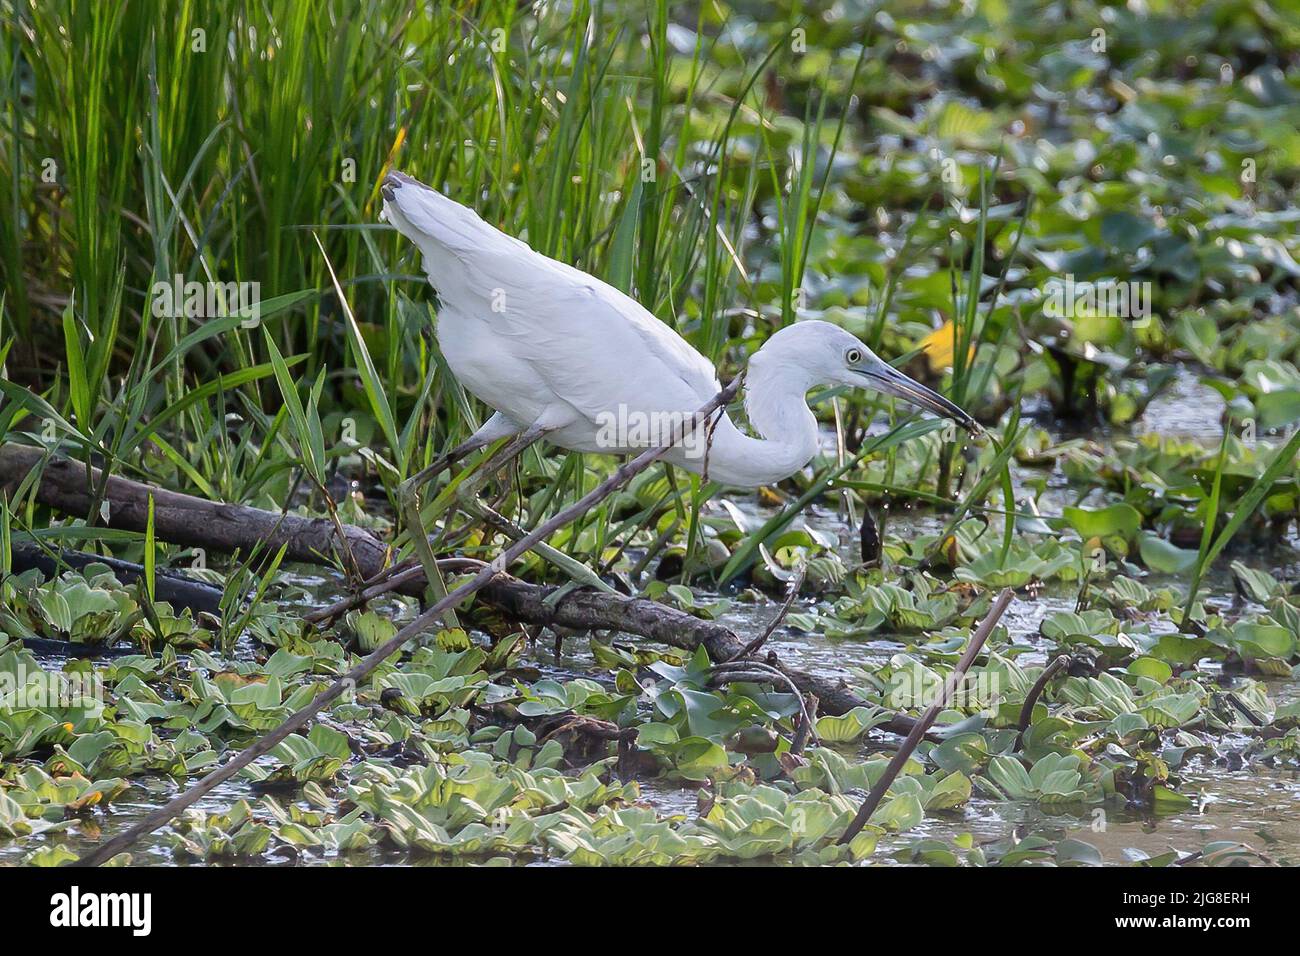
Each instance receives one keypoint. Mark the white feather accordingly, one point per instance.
(547, 345)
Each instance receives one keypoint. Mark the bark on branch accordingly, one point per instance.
(188, 521)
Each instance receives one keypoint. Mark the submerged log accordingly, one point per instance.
(177, 589)
(190, 521)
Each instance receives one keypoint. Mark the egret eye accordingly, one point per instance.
(853, 356)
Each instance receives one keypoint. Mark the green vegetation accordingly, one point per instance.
(1076, 220)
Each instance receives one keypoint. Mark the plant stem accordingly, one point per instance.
(914, 737)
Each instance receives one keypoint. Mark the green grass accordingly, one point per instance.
(712, 171)
(175, 159)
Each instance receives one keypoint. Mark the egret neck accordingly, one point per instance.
(776, 390)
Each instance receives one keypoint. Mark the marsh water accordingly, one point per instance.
(1234, 801)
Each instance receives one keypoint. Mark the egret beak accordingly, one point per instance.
(885, 378)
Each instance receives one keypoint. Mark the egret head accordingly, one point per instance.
(825, 354)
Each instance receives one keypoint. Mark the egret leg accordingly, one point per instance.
(576, 570)
(409, 505)
(467, 499)
(468, 488)
(498, 426)
(408, 501)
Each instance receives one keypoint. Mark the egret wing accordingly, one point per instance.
(596, 348)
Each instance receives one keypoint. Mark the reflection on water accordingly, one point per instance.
(1187, 409)
(1258, 806)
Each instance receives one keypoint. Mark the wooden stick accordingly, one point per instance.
(792, 592)
(1027, 709)
(356, 675)
(904, 752)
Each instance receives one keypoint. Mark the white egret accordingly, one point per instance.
(561, 354)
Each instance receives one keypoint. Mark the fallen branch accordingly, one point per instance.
(178, 590)
(584, 610)
(945, 692)
(356, 675)
(52, 647)
(189, 521)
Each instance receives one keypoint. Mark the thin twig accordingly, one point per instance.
(356, 675)
(792, 592)
(749, 671)
(1027, 710)
(805, 728)
(918, 731)
(413, 572)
